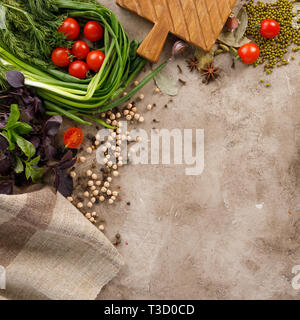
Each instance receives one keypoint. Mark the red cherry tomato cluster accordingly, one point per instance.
(249, 52)
(61, 57)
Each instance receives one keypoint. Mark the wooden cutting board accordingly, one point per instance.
(198, 22)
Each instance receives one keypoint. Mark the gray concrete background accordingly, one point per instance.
(204, 237)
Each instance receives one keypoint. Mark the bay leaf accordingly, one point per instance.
(237, 38)
(166, 84)
(239, 33)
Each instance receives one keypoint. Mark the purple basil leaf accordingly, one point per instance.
(7, 162)
(67, 164)
(35, 141)
(28, 99)
(19, 92)
(52, 126)
(29, 111)
(3, 143)
(38, 105)
(3, 120)
(15, 78)
(67, 156)
(6, 188)
(64, 183)
(50, 152)
(6, 159)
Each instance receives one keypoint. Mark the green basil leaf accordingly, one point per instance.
(19, 167)
(13, 117)
(36, 174)
(28, 171)
(21, 128)
(35, 161)
(26, 146)
(8, 135)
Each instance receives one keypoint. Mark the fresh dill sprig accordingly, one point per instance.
(42, 9)
(31, 32)
(3, 69)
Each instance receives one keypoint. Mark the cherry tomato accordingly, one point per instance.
(93, 31)
(70, 28)
(73, 138)
(80, 49)
(95, 60)
(269, 28)
(61, 57)
(78, 69)
(249, 53)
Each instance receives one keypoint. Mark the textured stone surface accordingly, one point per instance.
(228, 233)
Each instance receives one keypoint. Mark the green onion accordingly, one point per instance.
(62, 93)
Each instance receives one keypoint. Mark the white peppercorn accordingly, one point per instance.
(73, 174)
(89, 204)
(89, 173)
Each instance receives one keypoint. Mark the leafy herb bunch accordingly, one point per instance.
(26, 139)
(32, 34)
(31, 30)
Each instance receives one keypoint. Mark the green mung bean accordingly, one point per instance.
(273, 51)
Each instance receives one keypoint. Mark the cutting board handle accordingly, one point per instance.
(153, 44)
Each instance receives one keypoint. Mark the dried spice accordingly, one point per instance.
(192, 64)
(179, 69)
(182, 82)
(237, 37)
(273, 50)
(210, 73)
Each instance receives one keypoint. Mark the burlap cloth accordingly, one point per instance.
(50, 251)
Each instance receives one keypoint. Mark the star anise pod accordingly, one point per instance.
(210, 72)
(192, 64)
